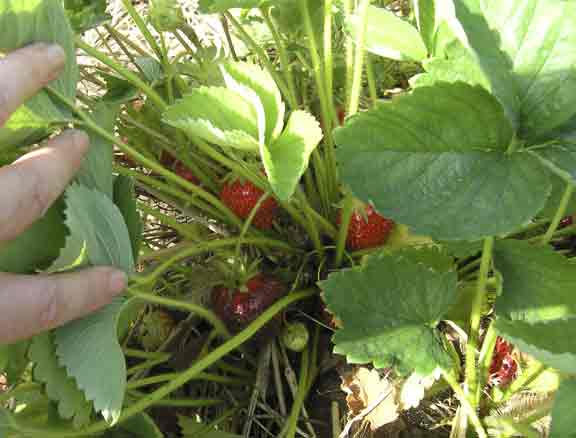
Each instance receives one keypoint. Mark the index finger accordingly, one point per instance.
(24, 72)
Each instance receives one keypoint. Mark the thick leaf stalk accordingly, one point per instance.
(472, 346)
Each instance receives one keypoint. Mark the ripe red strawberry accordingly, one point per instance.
(504, 367)
(341, 113)
(566, 222)
(184, 172)
(242, 196)
(367, 229)
(240, 306)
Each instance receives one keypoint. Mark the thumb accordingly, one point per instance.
(34, 303)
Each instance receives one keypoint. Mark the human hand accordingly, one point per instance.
(30, 304)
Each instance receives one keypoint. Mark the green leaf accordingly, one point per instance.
(23, 22)
(151, 67)
(538, 282)
(59, 387)
(563, 411)
(561, 158)
(461, 249)
(389, 308)
(86, 14)
(38, 246)
(455, 64)
(93, 217)
(436, 161)
(125, 200)
(286, 160)
(217, 115)
(528, 71)
(191, 426)
(425, 12)
(96, 169)
(14, 360)
(388, 35)
(246, 78)
(137, 426)
(549, 342)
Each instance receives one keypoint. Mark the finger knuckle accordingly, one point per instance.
(37, 196)
(4, 112)
(51, 307)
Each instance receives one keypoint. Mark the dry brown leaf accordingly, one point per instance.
(370, 394)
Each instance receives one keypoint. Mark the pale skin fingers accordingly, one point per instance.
(24, 72)
(31, 304)
(34, 182)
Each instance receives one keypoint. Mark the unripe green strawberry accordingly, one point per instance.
(166, 15)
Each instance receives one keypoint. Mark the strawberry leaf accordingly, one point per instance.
(389, 36)
(563, 411)
(96, 169)
(125, 200)
(528, 71)
(436, 161)
(547, 341)
(23, 22)
(38, 246)
(538, 282)
(242, 77)
(217, 115)
(389, 308)
(92, 217)
(59, 387)
(286, 160)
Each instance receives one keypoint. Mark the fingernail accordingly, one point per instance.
(117, 282)
(56, 58)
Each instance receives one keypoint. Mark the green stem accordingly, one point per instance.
(127, 74)
(328, 56)
(130, 352)
(228, 36)
(248, 222)
(124, 49)
(199, 366)
(560, 212)
(199, 248)
(359, 58)
(471, 370)
(345, 216)
(527, 377)
(349, 55)
(151, 164)
(284, 60)
(187, 306)
(371, 80)
(142, 27)
(261, 53)
(161, 378)
(486, 354)
(331, 180)
(303, 387)
(465, 403)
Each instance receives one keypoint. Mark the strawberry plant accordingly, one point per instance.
(405, 168)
